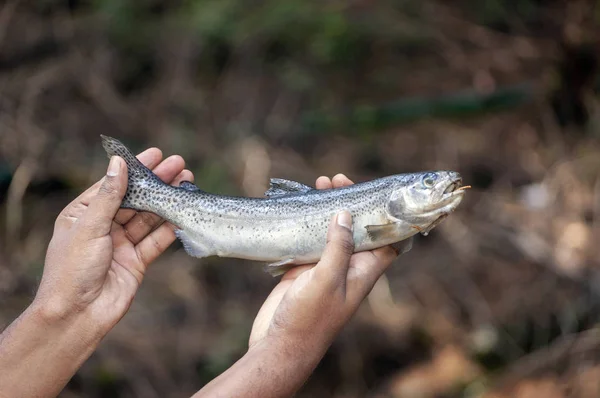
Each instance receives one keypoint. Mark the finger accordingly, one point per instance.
(150, 158)
(340, 180)
(74, 210)
(333, 266)
(185, 175)
(154, 244)
(323, 183)
(166, 171)
(97, 220)
(385, 256)
(403, 246)
(366, 268)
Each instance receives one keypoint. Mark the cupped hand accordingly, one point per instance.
(99, 253)
(312, 303)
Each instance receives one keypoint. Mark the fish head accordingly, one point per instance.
(424, 199)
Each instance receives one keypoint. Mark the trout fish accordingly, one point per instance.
(289, 226)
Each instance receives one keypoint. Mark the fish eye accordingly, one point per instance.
(428, 180)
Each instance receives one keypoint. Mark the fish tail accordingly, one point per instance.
(140, 178)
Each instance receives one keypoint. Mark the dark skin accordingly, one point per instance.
(97, 259)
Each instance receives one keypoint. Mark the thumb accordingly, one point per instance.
(335, 261)
(103, 207)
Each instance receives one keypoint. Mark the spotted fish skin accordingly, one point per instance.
(290, 226)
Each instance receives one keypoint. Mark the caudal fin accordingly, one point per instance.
(140, 178)
(114, 147)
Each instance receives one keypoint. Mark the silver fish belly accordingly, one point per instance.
(289, 226)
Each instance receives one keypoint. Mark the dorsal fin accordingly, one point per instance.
(281, 187)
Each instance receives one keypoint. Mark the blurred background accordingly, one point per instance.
(501, 300)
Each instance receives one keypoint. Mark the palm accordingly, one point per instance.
(296, 279)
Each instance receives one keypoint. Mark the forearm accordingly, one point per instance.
(40, 352)
(269, 369)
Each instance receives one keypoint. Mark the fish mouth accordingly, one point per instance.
(452, 196)
(456, 187)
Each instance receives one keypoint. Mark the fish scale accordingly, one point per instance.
(289, 226)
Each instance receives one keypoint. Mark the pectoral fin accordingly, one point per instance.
(191, 247)
(403, 246)
(280, 267)
(281, 187)
(382, 232)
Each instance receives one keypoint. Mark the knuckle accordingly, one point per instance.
(158, 247)
(142, 256)
(147, 218)
(346, 245)
(108, 187)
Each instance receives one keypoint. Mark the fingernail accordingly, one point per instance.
(113, 167)
(344, 219)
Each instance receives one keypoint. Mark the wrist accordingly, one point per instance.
(273, 366)
(37, 335)
(316, 339)
(56, 316)
(306, 352)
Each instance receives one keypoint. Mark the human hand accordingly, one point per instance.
(95, 262)
(304, 313)
(312, 303)
(99, 253)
